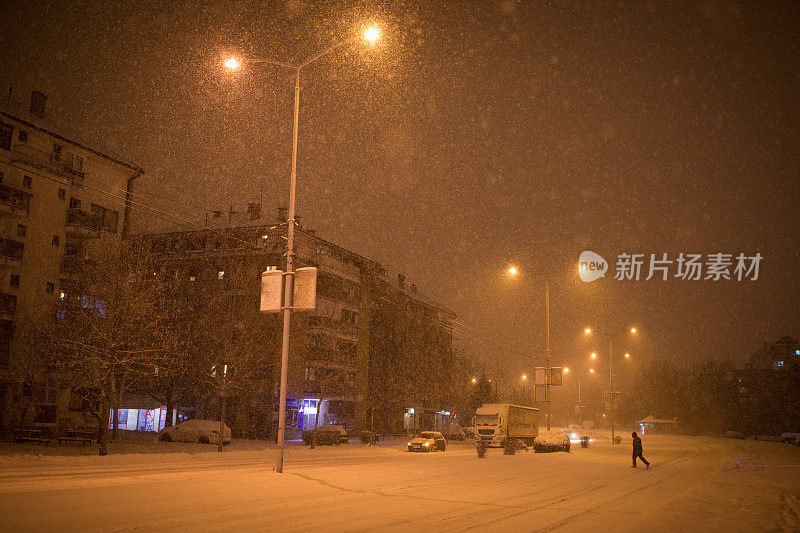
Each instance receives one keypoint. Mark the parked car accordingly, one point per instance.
(790, 438)
(195, 430)
(733, 435)
(326, 435)
(455, 432)
(427, 441)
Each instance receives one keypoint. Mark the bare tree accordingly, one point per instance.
(108, 330)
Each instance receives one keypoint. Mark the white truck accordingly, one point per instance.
(496, 422)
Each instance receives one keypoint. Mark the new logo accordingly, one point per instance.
(591, 266)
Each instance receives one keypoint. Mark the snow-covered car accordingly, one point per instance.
(427, 441)
(195, 430)
(790, 438)
(343, 436)
(455, 432)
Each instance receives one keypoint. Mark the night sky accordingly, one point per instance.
(475, 134)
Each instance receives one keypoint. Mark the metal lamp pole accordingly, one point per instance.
(611, 380)
(547, 354)
(371, 34)
(611, 369)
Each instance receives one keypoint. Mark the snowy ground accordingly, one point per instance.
(696, 483)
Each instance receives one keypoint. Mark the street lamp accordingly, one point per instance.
(513, 271)
(611, 336)
(371, 35)
(593, 355)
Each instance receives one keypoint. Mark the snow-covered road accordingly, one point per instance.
(696, 482)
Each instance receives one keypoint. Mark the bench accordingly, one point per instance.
(31, 434)
(78, 435)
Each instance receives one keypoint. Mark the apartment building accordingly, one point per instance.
(62, 202)
(373, 350)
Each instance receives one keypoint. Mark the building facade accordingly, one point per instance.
(62, 203)
(373, 352)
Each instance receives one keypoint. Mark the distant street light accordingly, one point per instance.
(566, 370)
(627, 356)
(474, 380)
(370, 35)
(591, 370)
(524, 377)
(611, 336)
(593, 355)
(512, 270)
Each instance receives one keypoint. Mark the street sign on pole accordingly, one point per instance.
(540, 393)
(271, 290)
(607, 399)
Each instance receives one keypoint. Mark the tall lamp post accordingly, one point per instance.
(610, 337)
(513, 271)
(371, 35)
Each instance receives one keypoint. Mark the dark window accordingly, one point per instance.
(21, 230)
(6, 328)
(62, 194)
(45, 414)
(109, 216)
(26, 182)
(74, 203)
(81, 399)
(56, 240)
(50, 288)
(14, 280)
(1, 177)
(23, 136)
(5, 136)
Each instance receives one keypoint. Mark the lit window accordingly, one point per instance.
(220, 274)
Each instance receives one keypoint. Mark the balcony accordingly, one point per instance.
(339, 327)
(83, 223)
(52, 162)
(11, 251)
(8, 304)
(14, 202)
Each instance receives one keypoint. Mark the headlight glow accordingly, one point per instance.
(426, 444)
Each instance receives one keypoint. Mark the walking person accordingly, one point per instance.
(637, 451)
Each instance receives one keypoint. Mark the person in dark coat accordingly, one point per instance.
(637, 451)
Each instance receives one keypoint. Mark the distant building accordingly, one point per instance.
(768, 388)
(373, 351)
(61, 203)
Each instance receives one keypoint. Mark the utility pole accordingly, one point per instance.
(611, 380)
(548, 377)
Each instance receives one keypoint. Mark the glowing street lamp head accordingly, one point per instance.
(591, 370)
(513, 270)
(233, 63)
(593, 355)
(372, 34)
(634, 330)
(627, 356)
(474, 380)
(524, 377)
(587, 331)
(566, 370)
